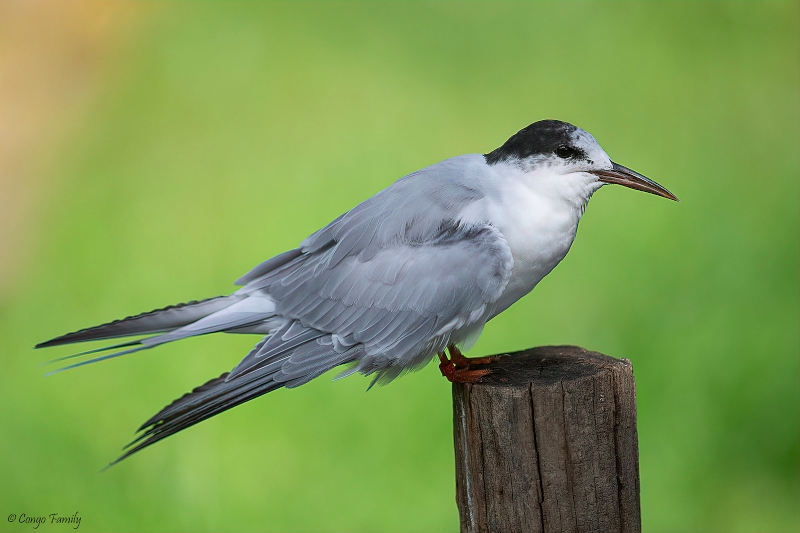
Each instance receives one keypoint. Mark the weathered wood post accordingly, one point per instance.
(547, 443)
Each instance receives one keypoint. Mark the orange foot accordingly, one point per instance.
(460, 360)
(460, 369)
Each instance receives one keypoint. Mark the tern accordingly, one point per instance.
(413, 271)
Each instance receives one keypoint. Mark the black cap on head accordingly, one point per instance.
(540, 138)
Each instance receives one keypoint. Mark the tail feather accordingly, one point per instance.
(157, 321)
(289, 355)
(244, 311)
(97, 359)
(221, 314)
(96, 350)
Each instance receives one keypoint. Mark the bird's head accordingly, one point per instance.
(563, 160)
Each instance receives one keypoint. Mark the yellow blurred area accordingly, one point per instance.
(56, 59)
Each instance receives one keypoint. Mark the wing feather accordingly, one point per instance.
(398, 268)
(458, 272)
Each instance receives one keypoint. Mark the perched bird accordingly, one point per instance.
(418, 268)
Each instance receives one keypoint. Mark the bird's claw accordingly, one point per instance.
(461, 361)
(461, 369)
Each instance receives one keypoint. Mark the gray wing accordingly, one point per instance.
(396, 276)
(384, 286)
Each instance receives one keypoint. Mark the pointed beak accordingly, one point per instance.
(632, 179)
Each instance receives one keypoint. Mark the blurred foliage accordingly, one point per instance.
(234, 130)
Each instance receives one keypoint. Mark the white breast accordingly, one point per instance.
(539, 227)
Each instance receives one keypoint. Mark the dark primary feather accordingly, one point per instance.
(202, 403)
(289, 368)
(157, 321)
(239, 312)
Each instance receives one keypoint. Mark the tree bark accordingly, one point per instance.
(547, 442)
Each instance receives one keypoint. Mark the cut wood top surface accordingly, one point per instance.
(547, 364)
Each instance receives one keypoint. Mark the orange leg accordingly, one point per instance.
(446, 367)
(460, 360)
(458, 368)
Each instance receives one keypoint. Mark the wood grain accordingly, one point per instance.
(547, 443)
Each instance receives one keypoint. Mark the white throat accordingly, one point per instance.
(537, 210)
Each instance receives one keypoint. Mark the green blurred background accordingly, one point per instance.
(154, 152)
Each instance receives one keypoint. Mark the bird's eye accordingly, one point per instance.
(564, 152)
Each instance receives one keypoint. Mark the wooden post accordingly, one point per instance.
(547, 443)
